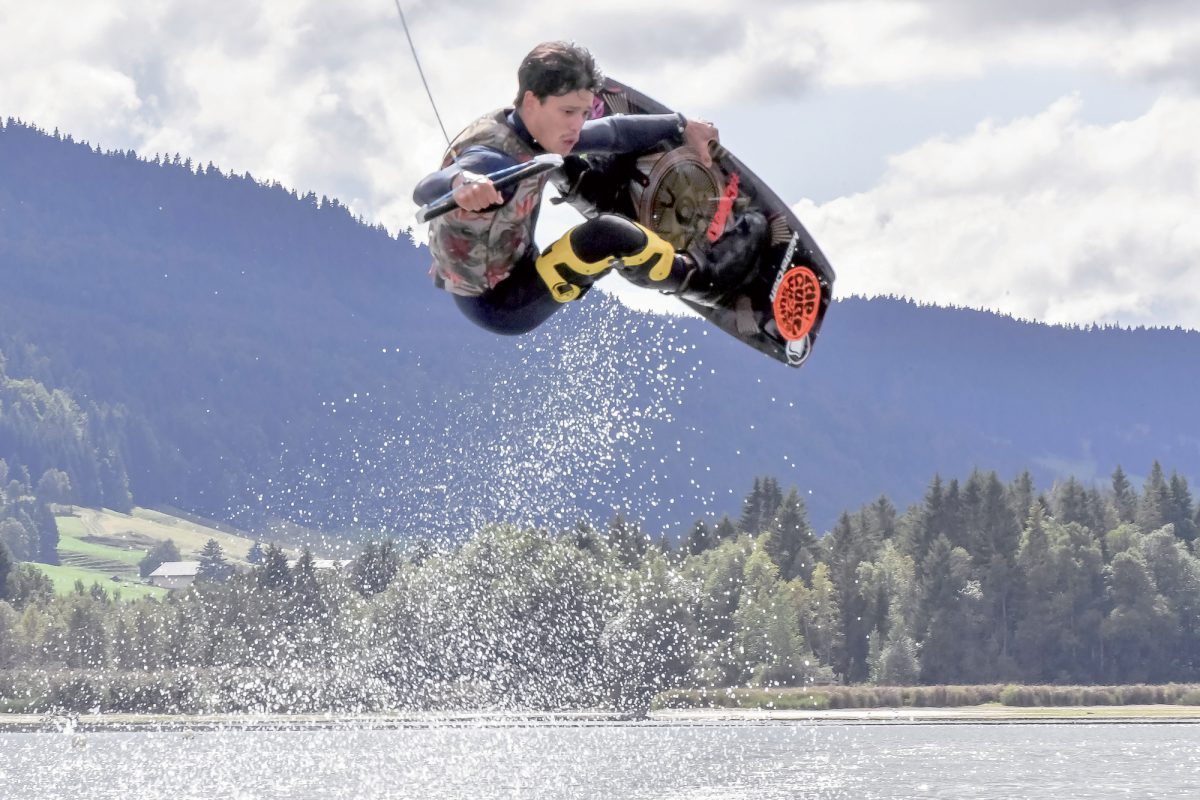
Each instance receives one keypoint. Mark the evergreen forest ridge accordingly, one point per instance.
(173, 335)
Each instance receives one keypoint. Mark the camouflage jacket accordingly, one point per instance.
(472, 252)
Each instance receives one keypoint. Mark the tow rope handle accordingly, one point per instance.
(501, 179)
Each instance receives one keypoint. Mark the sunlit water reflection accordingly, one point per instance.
(696, 762)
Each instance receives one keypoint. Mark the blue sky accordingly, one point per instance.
(1031, 157)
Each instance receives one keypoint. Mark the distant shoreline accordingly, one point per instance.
(984, 714)
(988, 713)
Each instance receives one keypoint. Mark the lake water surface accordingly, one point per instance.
(703, 761)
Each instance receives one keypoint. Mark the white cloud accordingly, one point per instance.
(1043, 217)
(325, 97)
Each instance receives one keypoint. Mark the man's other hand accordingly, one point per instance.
(475, 192)
(699, 134)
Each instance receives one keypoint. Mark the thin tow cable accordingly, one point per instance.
(424, 82)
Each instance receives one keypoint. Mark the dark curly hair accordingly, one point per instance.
(557, 68)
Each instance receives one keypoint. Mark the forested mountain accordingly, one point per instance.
(175, 334)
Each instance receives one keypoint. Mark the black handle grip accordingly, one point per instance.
(501, 179)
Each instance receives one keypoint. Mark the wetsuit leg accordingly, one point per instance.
(515, 305)
(524, 300)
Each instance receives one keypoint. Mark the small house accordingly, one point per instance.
(322, 564)
(175, 574)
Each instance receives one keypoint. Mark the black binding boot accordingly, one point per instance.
(709, 271)
(722, 266)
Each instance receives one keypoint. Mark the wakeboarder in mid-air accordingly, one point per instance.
(483, 249)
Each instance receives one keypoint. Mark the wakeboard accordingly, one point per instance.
(780, 305)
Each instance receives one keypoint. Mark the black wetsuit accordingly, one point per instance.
(521, 301)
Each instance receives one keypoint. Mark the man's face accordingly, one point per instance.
(556, 121)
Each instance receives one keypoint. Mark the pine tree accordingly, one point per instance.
(307, 603)
(699, 538)
(790, 541)
(255, 556)
(274, 572)
(628, 540)
(751, 521)
(7, 565)
(47, 532)
(972, 511)
(1125, 498)
(1155, 506)
(772, 499)
(845, 548)
(1069, 502)
(99, 593)
(213, 566)
(950, 619)
(941, 514)
(1034, 635)
(375, 568)
(1181, 513)
(1022, 496)
(1101, 515)
(725, 529)
(931, 522)
(585, 536)
(881, 520)
(999, 532)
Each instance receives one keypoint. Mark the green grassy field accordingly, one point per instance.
(96, 544)
(121, 534)
(189, 536)
(64, 578)
(129, 555)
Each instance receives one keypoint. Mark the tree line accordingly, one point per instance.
(28, 531)
(60, 450)
(982, 582)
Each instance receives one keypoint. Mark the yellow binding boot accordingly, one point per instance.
(587, 252)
